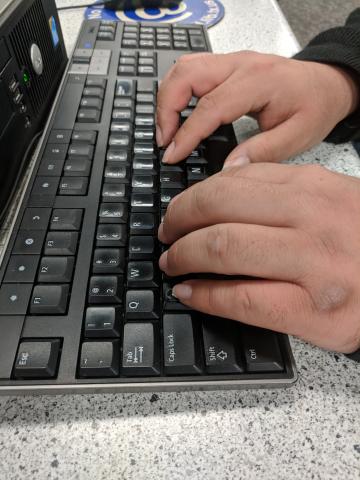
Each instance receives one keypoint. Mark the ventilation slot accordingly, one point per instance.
(34, 28)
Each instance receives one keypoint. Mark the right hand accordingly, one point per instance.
(297, 103)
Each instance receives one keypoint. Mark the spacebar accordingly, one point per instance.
(69, 106)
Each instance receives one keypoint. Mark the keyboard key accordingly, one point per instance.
(36, 219)
(146, 85)
(143, 182)
(73, 186)
(14, 298)
(113, 213)
(56, 152)
(197, 43)
(115, 192)
(145, 98)
(49, 300)
(61, 243)
(145, 121)
(262, 351)
(141, 248)
(121, 127)
(56, 270)
(140, 350)
(171, 303)
(167, 194)
(109, 260)
(111, 235)
(122, 114)
(21, 269)
(181, 356)
(29, 242)
(143, 148)
(117, 155)
(105, 289)
(125, 88)
(123, 102)
(102, 322)
(95, 92)
(45, 186)
(77, 168)
(60, 136)
(142, 164)
(142, 224)
(220, 339)
(142, 134)
(81, 151)
(117, 173)
(96, 82)
(118, 140)
(141, 305)
(141, 274)
(66, 219)
(51, 168)
(37, 358)
(172, 180)
(100, 359)
(88, 115)
(143, 202)
(88, 102)
(146, 70)
(83, 136)
(127, 60)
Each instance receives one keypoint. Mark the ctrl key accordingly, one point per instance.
(37, 358)
(100, 359)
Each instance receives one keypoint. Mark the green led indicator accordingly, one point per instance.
(26, 78)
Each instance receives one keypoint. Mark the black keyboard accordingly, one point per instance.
(83, 304)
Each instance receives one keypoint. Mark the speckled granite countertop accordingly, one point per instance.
(311, 431)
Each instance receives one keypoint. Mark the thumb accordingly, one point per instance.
(274, 145)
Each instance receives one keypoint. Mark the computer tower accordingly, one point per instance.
(32, 62)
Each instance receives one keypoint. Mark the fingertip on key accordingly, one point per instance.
(168, 152)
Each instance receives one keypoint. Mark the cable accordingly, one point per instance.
(101, 4)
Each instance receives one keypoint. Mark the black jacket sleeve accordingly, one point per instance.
(339, 46)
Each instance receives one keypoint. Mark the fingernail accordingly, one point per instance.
(182, 292)
(159, 137)
(239, 161)
(163, 261)
(161, 232)
(168, 152)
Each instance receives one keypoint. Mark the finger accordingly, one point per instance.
(274, 173)
(238, 249)
(279, 143)
(224, 199)
(280, 306)
(231, 100)
(191, 75)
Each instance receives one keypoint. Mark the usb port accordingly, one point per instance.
(13, 85)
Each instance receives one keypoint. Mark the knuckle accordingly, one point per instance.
(173, 257)
(200, 200)
(208, 103)
(218, 244)
(244, 301)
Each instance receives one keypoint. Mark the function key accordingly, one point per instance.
(100, 359)
(49, 299)
(262, 351)
(105, 289)
(37, 358)
(56, 269)
(83, 136)
(140, 350)
(181, 355)
(61, 243)
(102, 322)
(66, 219)
(60, 136)
(220, 338)
(73, 186)
(96, 82)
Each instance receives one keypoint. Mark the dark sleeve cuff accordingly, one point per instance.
(340, 47)
(354, 356)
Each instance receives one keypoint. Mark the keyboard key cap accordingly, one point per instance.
(142, 134)
(109, 260)
(21, 269)
(88, 102)
(143, 202)
(141, 274)
(262, 351)
(172, 180)
(115, 192)
(141, 305)
(181, 355)
(105, 289)
(60, 136)
(45, 186)
(144, 148)
(56, 270)
(37, 358)
(96, 82)
(88, 115)
(141, 248)
(144, 164)
(116, 172)
(51, 168)
(142, 224)
(102, 322)
(111, 235)
(66, 219)
(81, 151)
(143, 182)
(56, 152)
(77, 168)
(49, 300)
(125, 88)
(167, 194)
(113, 213)
(61, 243)
(100, 359)
(36, 219)
(220, 339)
(73, 186)
(29, 242)
(171, 303)
(197, 43)
(95, 92)
(119, 140)
(140, 350)
(14, 298)
(83, 136)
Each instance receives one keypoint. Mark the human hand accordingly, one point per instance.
(296, 103)
(295, 229)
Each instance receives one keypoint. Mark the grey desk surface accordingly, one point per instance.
(311, 431)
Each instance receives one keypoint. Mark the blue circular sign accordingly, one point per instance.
(204, 12)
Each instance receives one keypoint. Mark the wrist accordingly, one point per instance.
(346, 89)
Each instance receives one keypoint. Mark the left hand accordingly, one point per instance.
(296, 230)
